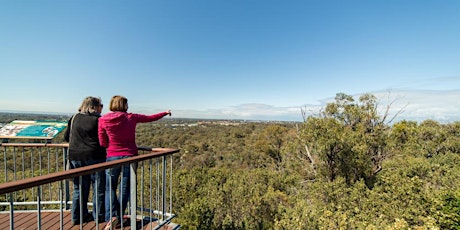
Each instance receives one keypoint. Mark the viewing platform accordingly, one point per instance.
(35, 192)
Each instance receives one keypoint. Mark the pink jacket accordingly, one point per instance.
(117, 131)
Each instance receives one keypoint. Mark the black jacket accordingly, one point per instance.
(83, 141)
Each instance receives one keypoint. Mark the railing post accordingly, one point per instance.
(109, 179)
(80, 198)
(133, 194)
(5, 165)
(11, 211)
(96, 201)
(66, 182)
(61, 213)
(39, 208)
(170, 184)
(163, 193)
(150, 188)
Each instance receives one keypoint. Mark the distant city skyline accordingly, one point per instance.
(256, 60)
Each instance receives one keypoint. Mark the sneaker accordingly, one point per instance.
(111, 224)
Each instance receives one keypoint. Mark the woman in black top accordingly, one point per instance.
(84, 150)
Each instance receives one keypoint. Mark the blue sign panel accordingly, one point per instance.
(32, 129)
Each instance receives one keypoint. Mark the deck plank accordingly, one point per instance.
(51, 220)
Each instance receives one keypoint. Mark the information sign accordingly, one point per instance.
(32, 129)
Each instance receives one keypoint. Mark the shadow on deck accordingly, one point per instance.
(50, 220)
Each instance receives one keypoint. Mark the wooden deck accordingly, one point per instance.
(51, 220)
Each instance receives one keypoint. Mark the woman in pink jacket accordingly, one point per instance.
(117, 132)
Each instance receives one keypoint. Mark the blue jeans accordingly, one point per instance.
(112, 202)
(97, 180)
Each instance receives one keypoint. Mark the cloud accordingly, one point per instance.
(415, 105)
(418, 105)
(440, 83)
(250, 111)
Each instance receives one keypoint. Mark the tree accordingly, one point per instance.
(270, 142)
(348, 138)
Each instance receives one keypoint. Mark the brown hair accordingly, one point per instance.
(119, 103)
(90, 105)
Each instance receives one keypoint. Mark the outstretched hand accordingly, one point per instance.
(169, 112)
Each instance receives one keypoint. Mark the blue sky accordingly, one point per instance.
(252, 59)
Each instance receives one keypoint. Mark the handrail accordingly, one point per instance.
(13, 186)
(34, 144)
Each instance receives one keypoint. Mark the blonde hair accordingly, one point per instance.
(119, 103)
(90, 105)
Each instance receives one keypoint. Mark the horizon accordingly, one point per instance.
(253, 60)
(397, 104)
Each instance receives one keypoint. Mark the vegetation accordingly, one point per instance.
(348, 167)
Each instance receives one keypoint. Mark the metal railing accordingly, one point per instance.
(26, 160)
(33, 178)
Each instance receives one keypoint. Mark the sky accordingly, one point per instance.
(231, 59)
